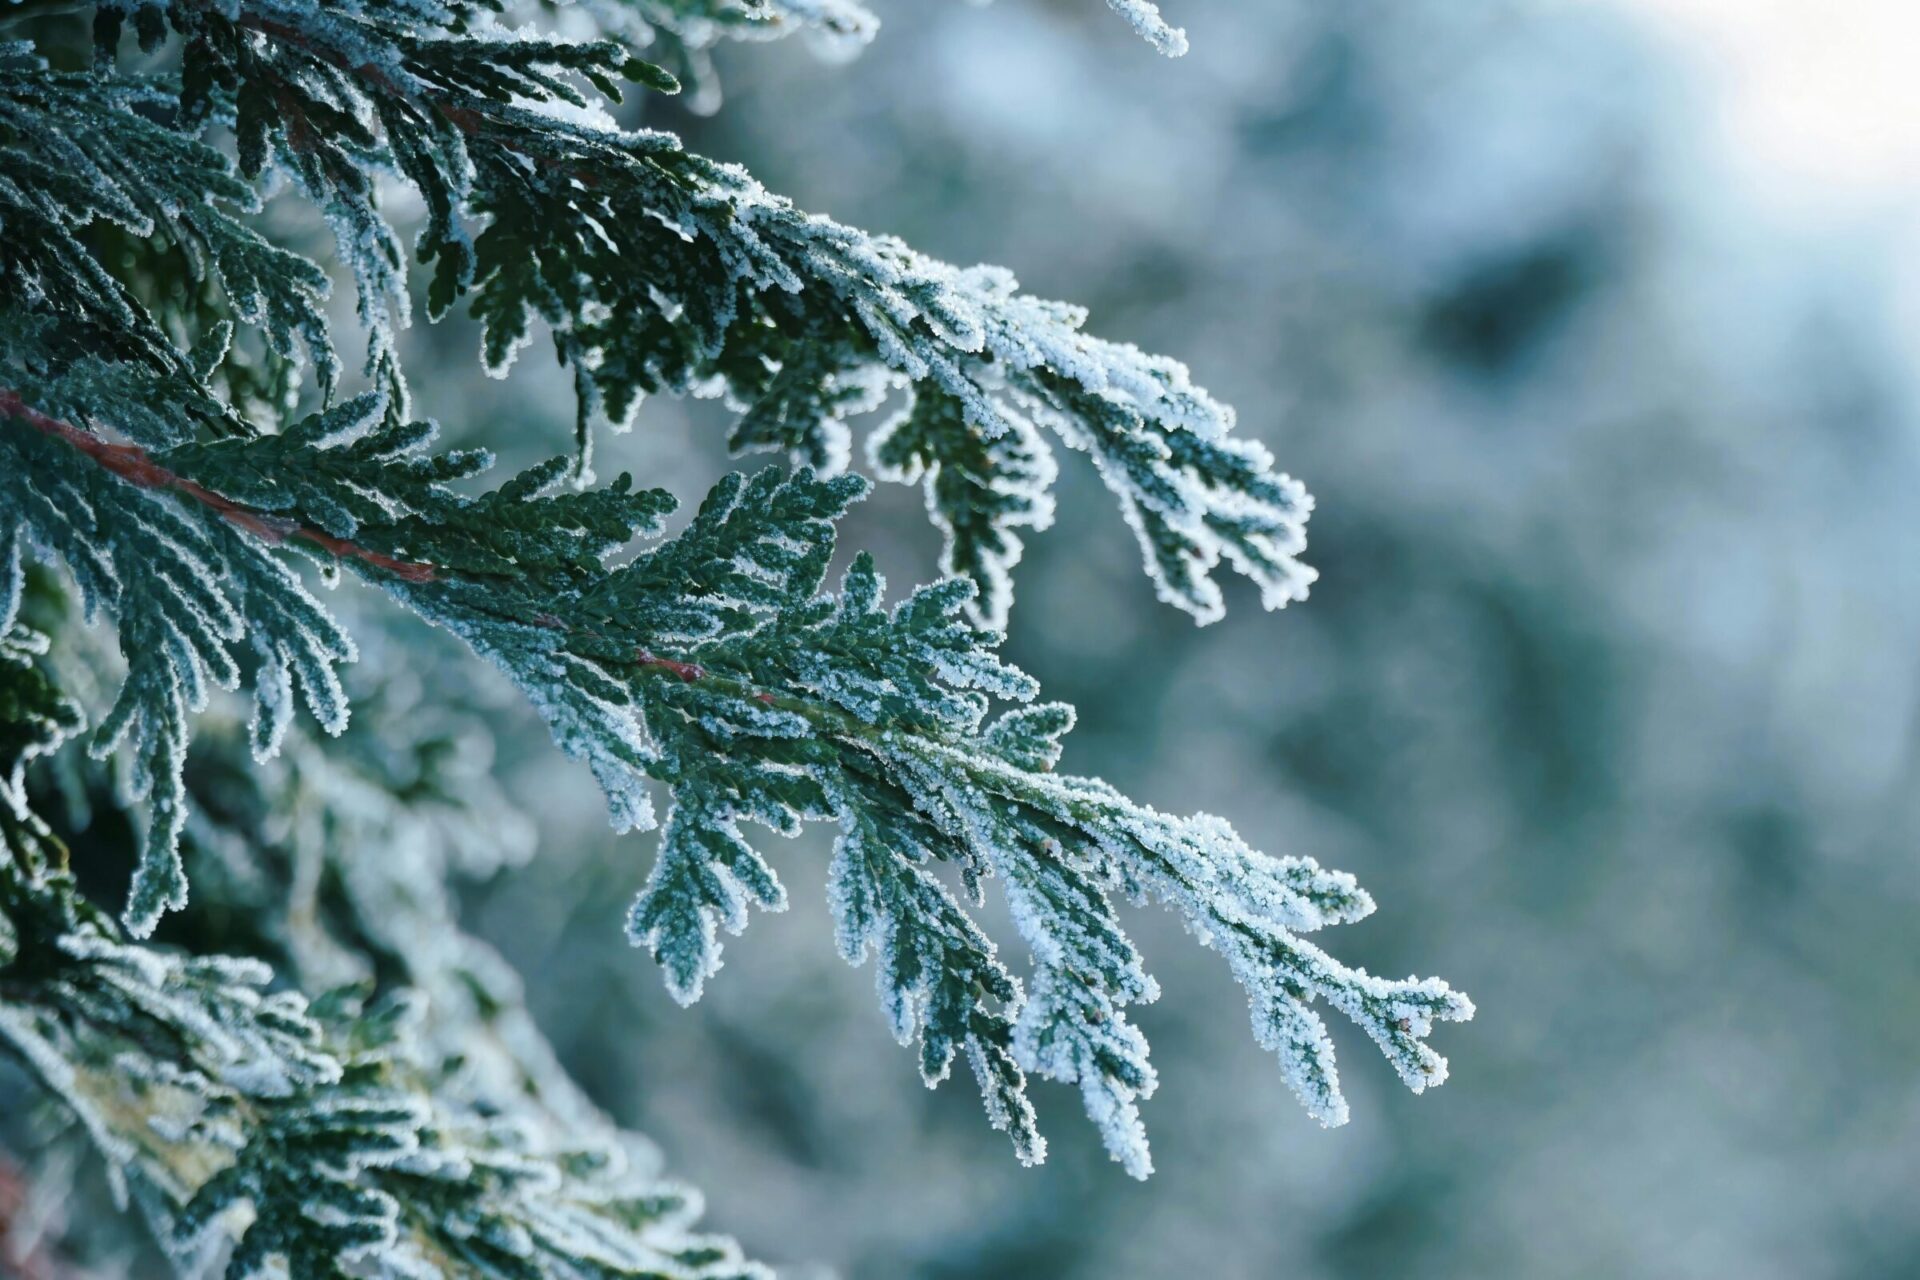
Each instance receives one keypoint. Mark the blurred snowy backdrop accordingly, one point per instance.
(1592, 327)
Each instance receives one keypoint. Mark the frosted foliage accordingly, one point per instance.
(1066, 1034)
(844, 23)
(187, 595)
(1146, 19)
(162, 460)
(705, 877)
(346, 1150)
(979, 490)
(666, 272)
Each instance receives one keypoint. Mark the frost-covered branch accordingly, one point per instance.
(657, 270)
(711, 663)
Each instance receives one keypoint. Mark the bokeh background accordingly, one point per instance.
(1591, 327)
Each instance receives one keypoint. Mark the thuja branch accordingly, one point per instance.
(657, 270)
(781, 704)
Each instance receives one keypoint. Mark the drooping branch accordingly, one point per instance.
(657, 270)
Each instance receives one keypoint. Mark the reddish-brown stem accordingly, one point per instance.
(688, 671)
(134, 465)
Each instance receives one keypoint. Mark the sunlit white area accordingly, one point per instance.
(1816, 112)
(1819, 101)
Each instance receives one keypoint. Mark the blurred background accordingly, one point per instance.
(1592, 327)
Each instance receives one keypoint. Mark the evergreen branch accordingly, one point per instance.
(79, 153)
(780, 705)
(657, 270)
(352, 1157)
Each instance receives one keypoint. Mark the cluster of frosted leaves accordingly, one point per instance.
(351, 1151)
(1144, 16)
(338, 862)
(79, 153)
(712, 662)
(655, 270)
(198, 606)
(979, 491)
(35, 716)
(386, 1171)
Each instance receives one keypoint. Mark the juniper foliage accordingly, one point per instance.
(176, 441)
